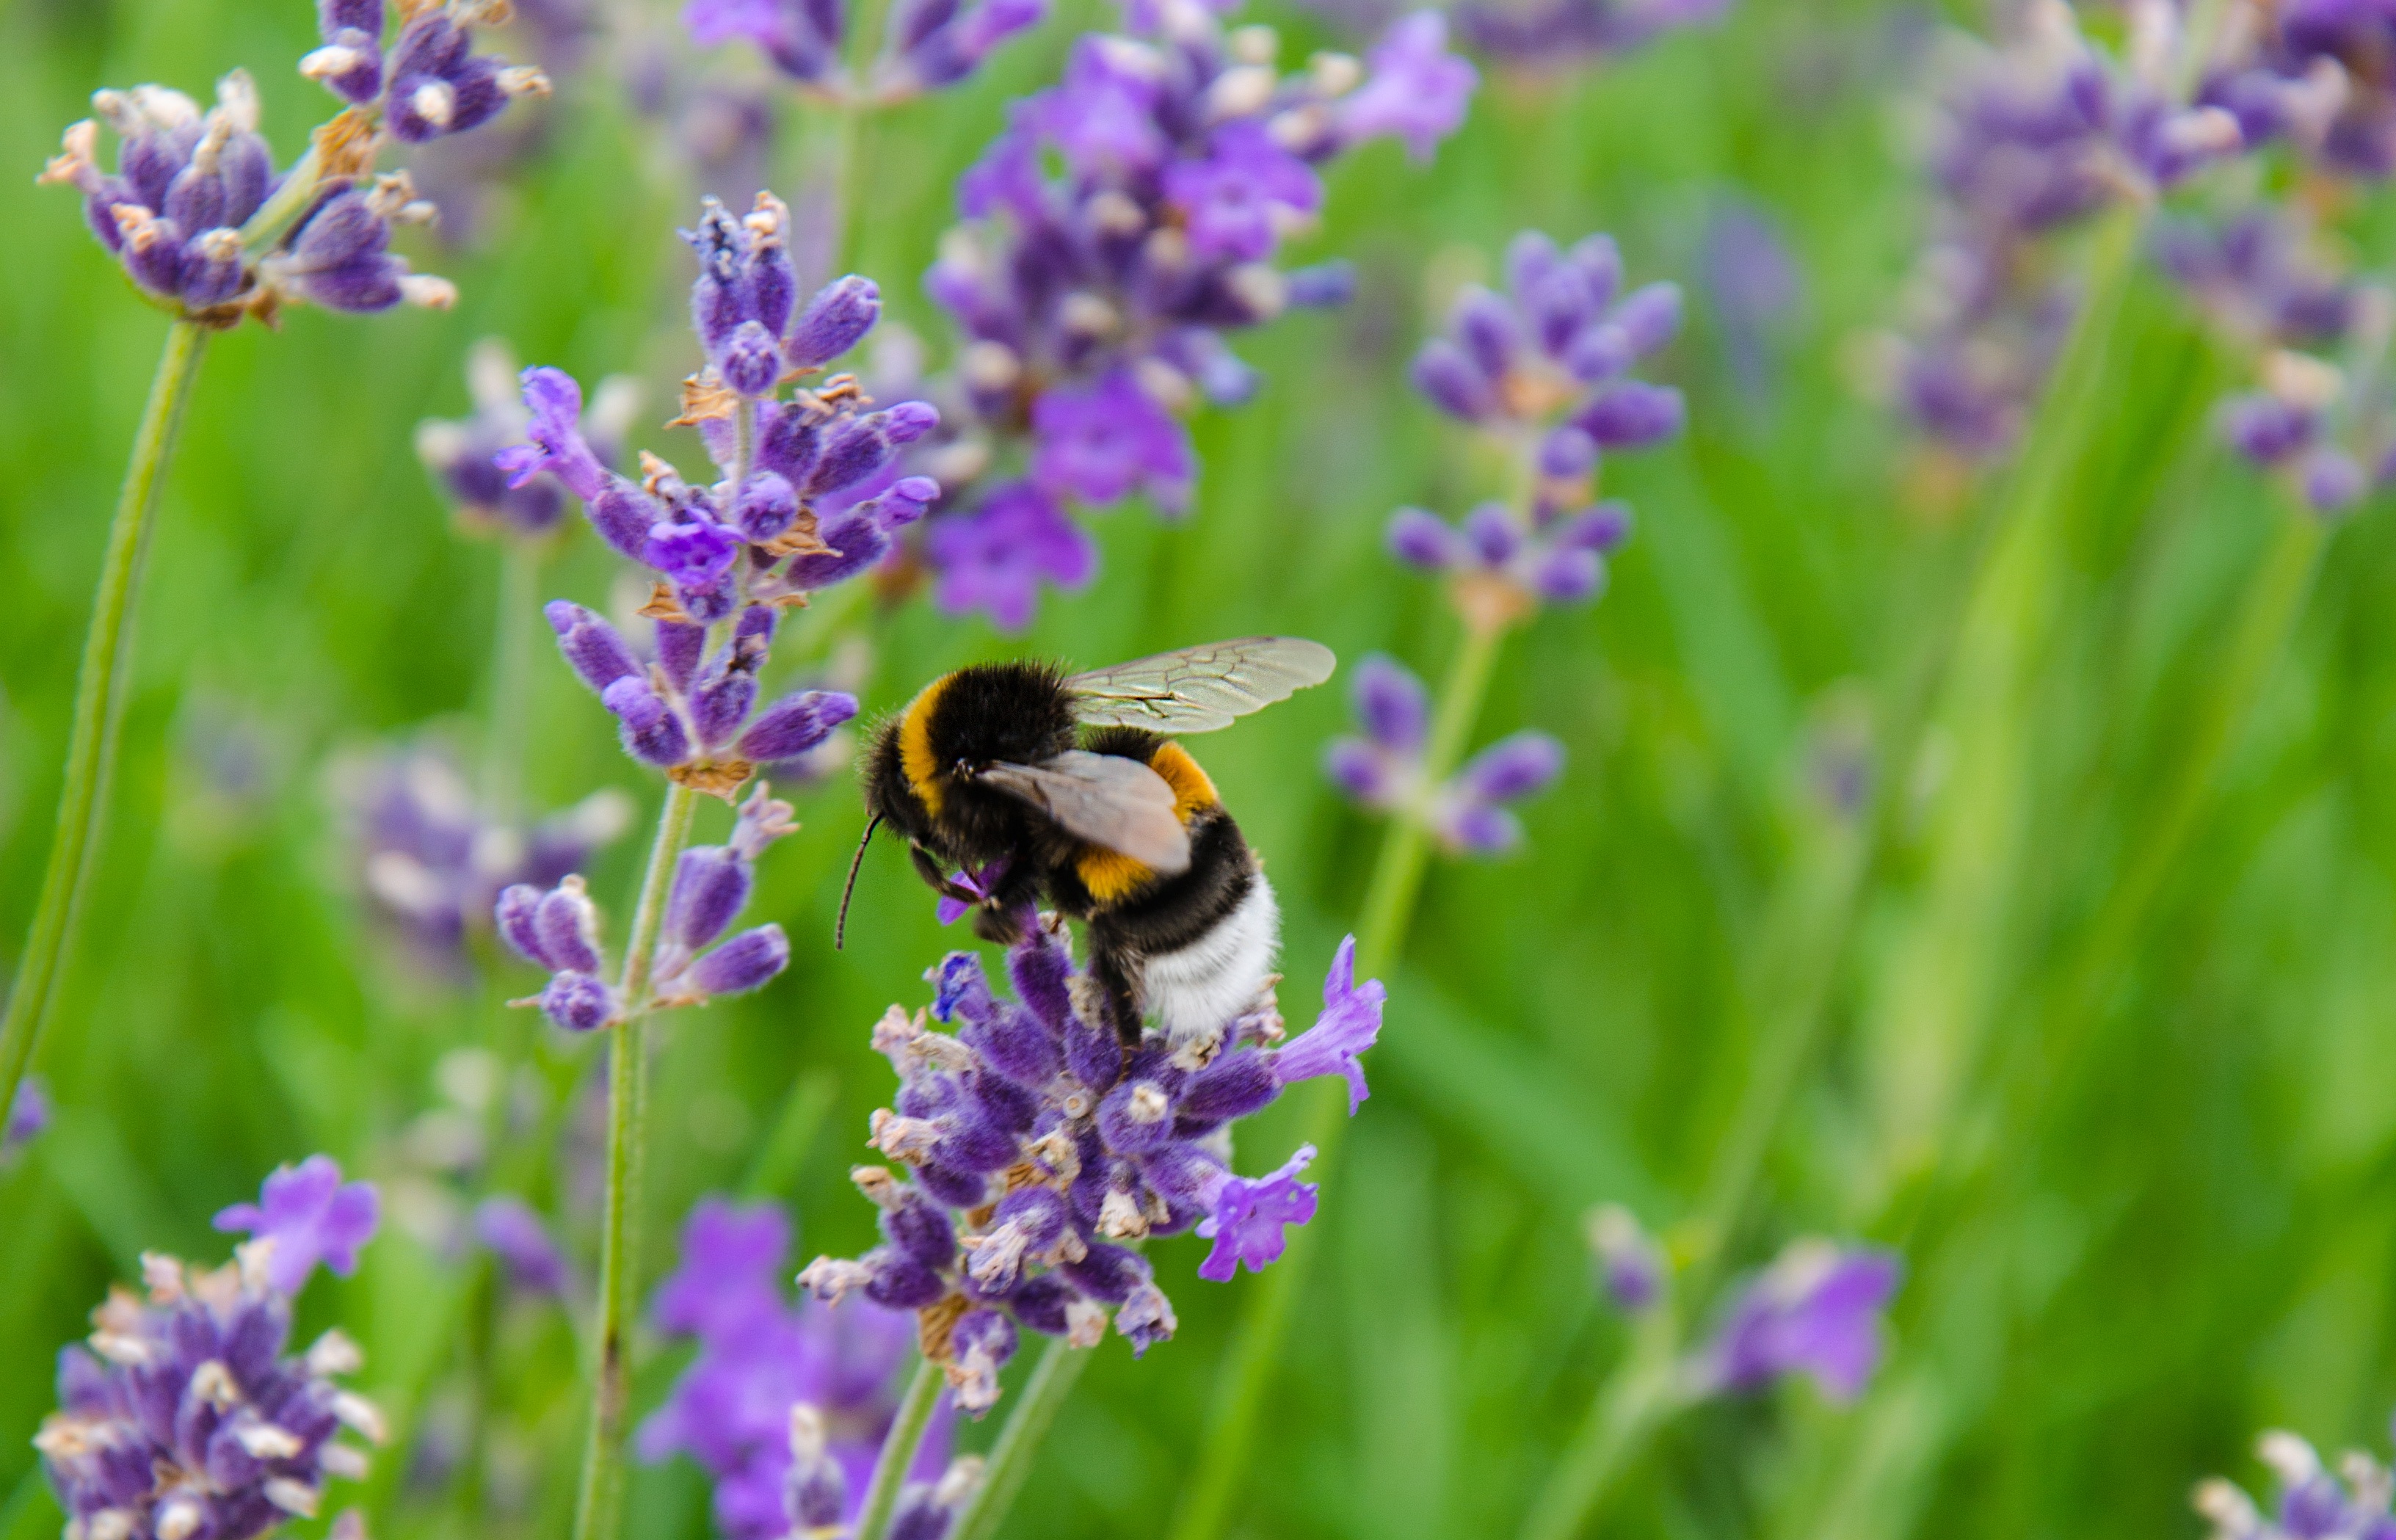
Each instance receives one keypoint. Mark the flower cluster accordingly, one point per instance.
(1033, 1142)
(194, 210)
(184, 1416)
(812, 495)
(434, 858)
(2330, 433)
(1816, 1311)
(559, 930)
(926, 44)
(1383, 767)
(1126, 220)
(1545, 368)
(2314, 76)
(462, 455)
(513, 1232)
(2312, 1501)
(783, 1405)
(2032, 138)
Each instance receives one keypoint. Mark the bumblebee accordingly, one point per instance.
(1038, 784)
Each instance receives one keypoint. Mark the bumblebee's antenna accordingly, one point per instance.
(840, 927)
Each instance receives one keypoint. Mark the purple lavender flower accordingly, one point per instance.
(185, 1416)
(177, 211)
(1382, 768)
(463, 456)
(434, 859)
(305, 1215)
(769, 1376)
(1548, 35)
(2312, 428)
(994, 559)
(1754, 285)
(1033, 1142)
(28, 1115)
(1632, 1267)
(513, 1231)
(1249, 1217)
(1417, 90)
(814, 494)
(1816, 1311)
(1122, 226)
(2312, 1501)
(927, 44)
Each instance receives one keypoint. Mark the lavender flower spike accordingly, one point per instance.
(1250, 1216)
(1816, 1311)
(185, 1417)
(305, 1215)
(1348, 1025)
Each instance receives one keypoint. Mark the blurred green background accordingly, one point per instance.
(2193, 1237)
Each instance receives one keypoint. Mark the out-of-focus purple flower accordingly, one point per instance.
(186, 1417)
(927, 45)
(465, 456)
(513, 1231)
(769, 1376)
(28, 1115)
(1544, 37)
(434, 858)
(1244, 195)
(1098, 1142)
(1754, 285)
(1249, 1217)
(1631, 1266)
(2314, 427)
(994, 559)
(1816, 1311)
(1382, 768)
(304, 1215)
(1107, 440)
(2310, 1500)
(1417, 90)
(2256, 281)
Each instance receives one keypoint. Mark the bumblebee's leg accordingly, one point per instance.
(935, 877)
(1006, 912)
(1107, 967)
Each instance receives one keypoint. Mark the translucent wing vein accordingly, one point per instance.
(1199, 689)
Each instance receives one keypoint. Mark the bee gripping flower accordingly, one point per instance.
(306, 1214)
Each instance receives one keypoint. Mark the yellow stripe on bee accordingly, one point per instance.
(1193, 792)
(1110, 874)
(915, 744)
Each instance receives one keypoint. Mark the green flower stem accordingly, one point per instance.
(1389, 909)
(898, 1447)
(1036, 1406)
(99, 714)
(601, 1497)
(1642, 1393)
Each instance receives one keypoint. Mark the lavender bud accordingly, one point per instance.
(1649, 316)
(899, 1282)
(568, 924)
(1093, 1052)
(710, 886)
(752, 360)
(1599, 352)
(513, 915)
(1445, 374)
(577, 1002)
(815, 1494)
(1513, 767)
(1566, 453)
(651, 732)
(750, 960)
(1322, 286)
(1600, 528)
(1135, 1116)
(794, 725)
(919, 1227)
(1568, 575)
(1234, 1087)
(591, 646)
(1422, 540)
(1490, 531)
(1484, 324)
(857, 542)
(681, 646)
(623, 514)
(1633, 414)
(835, 319)
(722, 705)
(1392, 704)
(767, 506)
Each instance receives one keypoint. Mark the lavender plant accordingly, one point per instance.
(1541, 374)
(2309, 1497)
(1036, 1150)
(208, 232)
(186, 1415)
(811, 494)
(1122, 226)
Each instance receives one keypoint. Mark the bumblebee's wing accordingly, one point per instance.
(1105, 799)
(1199, 689)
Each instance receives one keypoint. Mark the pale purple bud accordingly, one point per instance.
(747, 961)
(1445, 374)
(1649, 316)
(577, 1002)
(752, 360)
(1392, 704)
(1422, 539)
(835, 319)
(1513, 767)
(794, 725)
(710, 885)
(622, 513)
(767, 506)
(591, 646)
(569, 925)
(1633, 414)
(1491, 532)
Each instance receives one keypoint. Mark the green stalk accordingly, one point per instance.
(898, 1447)
(100, 688)
(1389, 909)
(1010, 1459)
(601, 1497)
